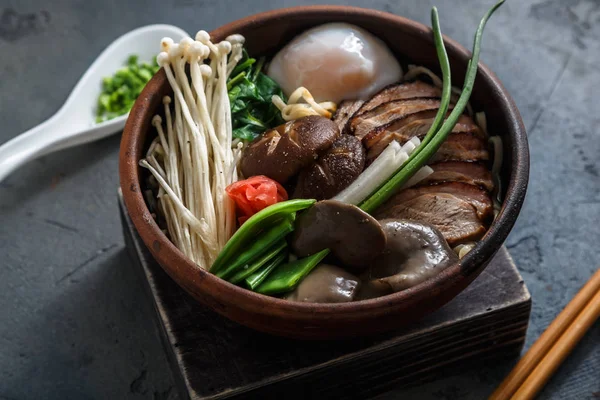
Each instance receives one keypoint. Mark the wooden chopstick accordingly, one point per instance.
(549, 338)
(550, 363)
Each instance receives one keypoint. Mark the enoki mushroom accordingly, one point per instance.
(301, 103)
(193, 158)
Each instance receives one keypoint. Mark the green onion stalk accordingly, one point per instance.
(433, 140)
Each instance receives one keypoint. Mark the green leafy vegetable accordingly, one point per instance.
(436, 139)
(256, 249)
(256, 278)
(246, 132)
(253, 231)
(287, 276)
(120, 91)
(257, 263)
(250, 93)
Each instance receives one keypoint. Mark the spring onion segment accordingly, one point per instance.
(384, 166)
(192, 158)
(434, 138)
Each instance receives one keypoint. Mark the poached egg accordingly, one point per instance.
(335, 62)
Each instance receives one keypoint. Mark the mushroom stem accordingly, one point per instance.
(193, 158)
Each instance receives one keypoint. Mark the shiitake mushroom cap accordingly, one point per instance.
(415, 251)
(333, 171)
(354, 237)
(280, 153)
(326, 284)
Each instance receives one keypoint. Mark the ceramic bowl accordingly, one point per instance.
(265, 33)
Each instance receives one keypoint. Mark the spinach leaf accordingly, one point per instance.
(267, 87)
(249, 119)
(247, 132)
(250, 93)
(244, 64)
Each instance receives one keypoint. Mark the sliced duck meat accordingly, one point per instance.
(402, 131)
(455, 217)
(388, 113)
(462, 147)
(455, 197)
(401, 91)
(418, 124)
(472, 173)
(465, 124)
(345, 111)
(478, 198)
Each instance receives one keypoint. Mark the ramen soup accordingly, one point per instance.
(330, 173)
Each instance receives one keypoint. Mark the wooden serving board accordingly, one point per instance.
(214, 358)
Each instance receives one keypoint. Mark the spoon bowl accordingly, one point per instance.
(74, 123)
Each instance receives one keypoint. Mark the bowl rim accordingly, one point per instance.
(173, 261)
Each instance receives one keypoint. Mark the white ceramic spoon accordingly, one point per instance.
(74, 123)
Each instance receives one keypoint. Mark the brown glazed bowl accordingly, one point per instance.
(265, 33)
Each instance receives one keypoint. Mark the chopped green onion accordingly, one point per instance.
(120, 91)
(132, 60)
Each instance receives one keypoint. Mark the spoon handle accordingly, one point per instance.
(54, 134)
(28, 145)
(89, 135)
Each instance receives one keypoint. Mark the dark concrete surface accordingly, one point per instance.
(72, 320)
